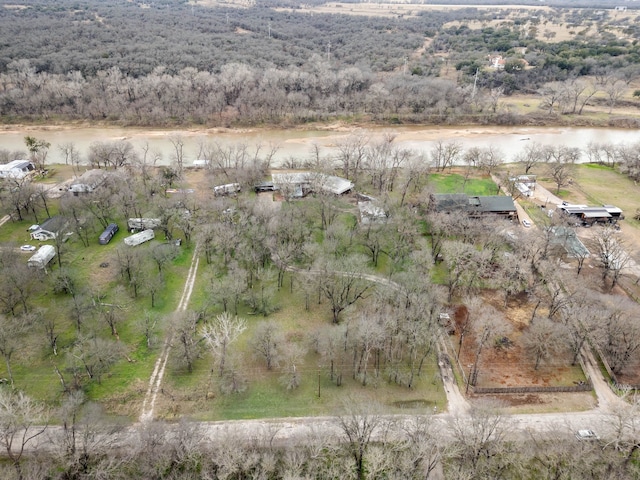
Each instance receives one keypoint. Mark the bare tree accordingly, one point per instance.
(611, 252)
(292, 356)
(552, 97)
(561, 174)
(618, 333)
(352, 154)
(178, 146)
(445, 154)
(464, 264)
(147, 324)
(86, 436)
(488, 326)
(93, 357)
(342, 283)
(12, 330)
(530, 156)
(358, 426)
(543, 340)
(478, 434)
(219, 334)
(423, 449)
(22, 420)
(267, 343)
(70, 153)
(184, 335)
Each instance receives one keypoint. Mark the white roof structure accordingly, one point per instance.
(42, 257)
(371, 212)
(16, 169)
(312, 181)
(140, 237)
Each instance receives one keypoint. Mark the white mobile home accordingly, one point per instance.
(42, 257)
(16, 169)
(140, 237)
(228, 189)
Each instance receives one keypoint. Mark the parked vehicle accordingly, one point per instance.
(109, 232)
(586, 435)
(27, 248)
(526, 223)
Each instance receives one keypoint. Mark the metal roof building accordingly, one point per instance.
(490, 204)
(16, 169)
(302, 183)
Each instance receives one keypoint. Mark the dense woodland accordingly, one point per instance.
(62, 334)
(170, 62)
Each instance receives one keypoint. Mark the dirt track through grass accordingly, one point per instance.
(155, 381)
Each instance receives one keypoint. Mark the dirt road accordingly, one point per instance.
(155, 381)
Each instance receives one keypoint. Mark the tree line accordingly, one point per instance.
(279, 67)
(358, 443)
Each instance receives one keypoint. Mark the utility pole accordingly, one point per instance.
(404, 71)
(269, 29)
(227, 19)
(329, 51)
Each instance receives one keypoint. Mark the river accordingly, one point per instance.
(297, 143)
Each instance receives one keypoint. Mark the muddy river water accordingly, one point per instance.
(297, 143)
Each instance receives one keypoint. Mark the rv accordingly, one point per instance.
(140, 237)
(143, 223)
(107, 235)
(228, 189)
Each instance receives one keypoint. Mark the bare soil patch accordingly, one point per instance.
(543, 402)
(506, 364)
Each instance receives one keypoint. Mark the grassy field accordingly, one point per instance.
(456, 183)
(198, 395)
(34, 367)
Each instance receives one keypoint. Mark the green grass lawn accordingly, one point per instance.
(197, 394)
(455, 183)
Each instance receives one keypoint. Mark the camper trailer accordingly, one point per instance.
(107, 235)
(228, 189)
(42, 257)
(140, 237)
(143, 223)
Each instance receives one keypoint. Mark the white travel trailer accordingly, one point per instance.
(42, 257)
(143, 223)
(140, 237)
(228, 189)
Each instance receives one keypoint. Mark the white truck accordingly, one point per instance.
(42, 257)
(140, 237)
